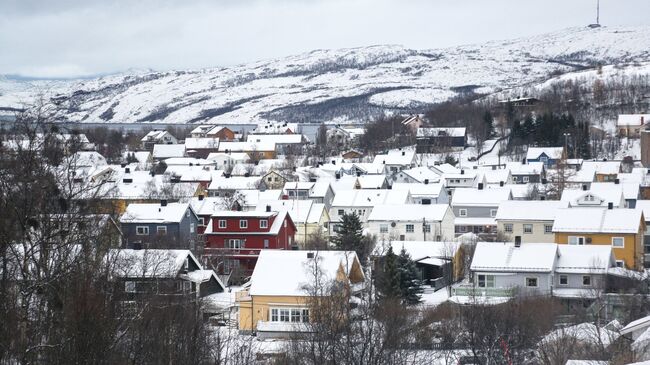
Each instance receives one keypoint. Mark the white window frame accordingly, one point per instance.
(383, 228)
(527, 225)
(266, 243)
(577, 240)
(622, 245)
(289, 314)
(590, 280)
(525, 179)
(462, 212)
(235, 243)
(222, 224)
(508, 227)
(565, 276)
(409, 228)
(264, 223)
(142, 230)
(488, 281)
(243, 224)
(426, 228)
(531, 286)
(549, 230)
(493, 213)
(161, 230)
(620, 263)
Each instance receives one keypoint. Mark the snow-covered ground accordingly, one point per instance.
(323, 85)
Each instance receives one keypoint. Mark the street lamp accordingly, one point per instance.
(566, 137)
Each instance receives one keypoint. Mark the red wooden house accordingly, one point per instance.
(233, 239)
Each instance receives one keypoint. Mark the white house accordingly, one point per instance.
(361, 202)
(530, 220)
(412, 222)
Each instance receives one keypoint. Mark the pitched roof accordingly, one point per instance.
(606, 192)
(417, 189)
(597, 220)
(201, 143)
(595, 259)
(154, 213)
(409, 212)
(156, 263)
(402, 156)
(480, 197)
(168, 150)
(369, 198)
(533, 210)
(371, 181)
(534, 153)
(632, 119)
(290, 273)
(502, 256)
(442, 131)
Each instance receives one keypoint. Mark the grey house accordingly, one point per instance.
(475, 209)
(163, 225)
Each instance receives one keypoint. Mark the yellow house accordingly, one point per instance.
(277, 303)
(623, 229)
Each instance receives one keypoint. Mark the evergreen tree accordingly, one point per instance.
(489, 123)
(388, 278)
(409, 282)
(350, 236)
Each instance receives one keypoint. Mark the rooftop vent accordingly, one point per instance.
(201, 196)
(501, 183)
(480, 186)
(426, 181)
(127, 170)
(610, 205)
(163, 202)
(584, 187)
(268, 208)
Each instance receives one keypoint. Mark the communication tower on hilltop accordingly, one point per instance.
(597, 23)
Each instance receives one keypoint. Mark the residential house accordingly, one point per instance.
(201, 147)
(227, 161)
(165, 272)
(163, 225)
(255, 151)
(352, 156)
(412, 222)
(413, 123)
(310, 218)
(420, 174)
(204, 206)
(234, 239)
(319, 192)
(630, 125)
(598, 195)
(549, 156)
(222, 133)
(272, 127)
(461, 179)
(493, 176)
(622, 229)
(157, 137)
(201, 130)
(644, 205)
(274, 180)
(249, 199)
(284, 143)
(277, 304)
(227, 185)
(361, 202)
(165, 151)
(532, 221)
(371, 182)
(524, 173)
(397, 159)
(433, 140)
(427, 193)
(605, 171)
(475, 209)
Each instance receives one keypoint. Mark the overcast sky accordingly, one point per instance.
(67, 38)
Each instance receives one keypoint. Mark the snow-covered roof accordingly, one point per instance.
(494, 176)
(154, 135)
(233, 156)
(417, 189)
(422, 173)
(234, 182)
(168, 150)
(602, 167)
(244, 214)
(246, 146)
(636, 325)
(442, 131)
(594, 259)
(290, 273)
(597, 220)
(188, 161)
(530, 168)
(156, 263)
(585, 333)
(201, 143)
(504, 256)
(208, 205)
(300, 211)
(369, 198)
(86, 159)
(480, 197)
(276, 138)
(371, 181)
(154, 213)
(419, 250)
(475, 221)
(202, 129)
(529, 210)
(534, 153)
(403, 156)
(408, 212)
(632, 119)
(252, 197)
(644, 205)
(603, 193)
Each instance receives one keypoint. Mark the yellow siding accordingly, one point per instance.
(632, 253)
(257, 308)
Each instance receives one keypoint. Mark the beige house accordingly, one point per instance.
(530, 220)
(309, 217)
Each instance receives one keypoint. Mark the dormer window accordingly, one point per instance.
(264, 223)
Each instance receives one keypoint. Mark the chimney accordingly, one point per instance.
(201, 197)
(268, 208)
(462, 172)
(403, 153)
(610, 205)
(123, 164)
(480, 186)
(426, 181)
(501, 183)
(358, 173)
(247, 174)
(312, 179)
(544, 181)
(617, 181)
(338, 175)
(517, 241)
(642, 120)
(494, 167)
(584, 187)
(127, 170)
(310, 255)
(285, 197)
(163, 202)
(333, 162)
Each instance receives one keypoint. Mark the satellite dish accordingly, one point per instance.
(393, 224)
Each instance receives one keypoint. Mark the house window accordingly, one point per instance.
(142, 230)
(161, 230)
(187, 214)
(426, 228)
(222, 223)
(264, 223)
(191, 227)
(507, 227)
(620, 263)
(235, 243)
(586, 280)
(486, 281)
(383, 228)
(576, 240)
(618, 242)
(462, 212)
(129, 286)
(187, 287)
(291, 315)
(462, 229)
(531, 282)
(341, 211)
(548, 228)
(410, 228)
(525, 179)
(243, 223)
(528, 228)
(564, 280)
(266, 243)
(493, 212)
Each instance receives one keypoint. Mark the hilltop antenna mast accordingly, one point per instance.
(597, 23)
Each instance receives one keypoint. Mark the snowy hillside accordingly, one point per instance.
(336, 85)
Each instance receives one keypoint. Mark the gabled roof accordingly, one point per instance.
(168, 150)
(154, 213)
(632, 119)
(602, 167)
(604, 192)
(408, 212)
(157, 263)
(417, 189)
(290, 273)
(480, 197)
(403, 156)
(300, 211)
(208, 205)
(369, 198)
(593, 259)
(534, 153)
(371, 181)
(529, 210)
(442, 132)
(505, 257)
(251, 197)
(234, 182)
(422, 173)
(201, 143)
(643, 322)
(154, 136)
(597, 220)
(530, 168)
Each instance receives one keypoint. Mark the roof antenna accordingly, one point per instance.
(597, 24)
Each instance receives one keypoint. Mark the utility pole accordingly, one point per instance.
(424, 229)
(598, 12)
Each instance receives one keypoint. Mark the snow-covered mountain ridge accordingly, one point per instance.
(336, 85)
